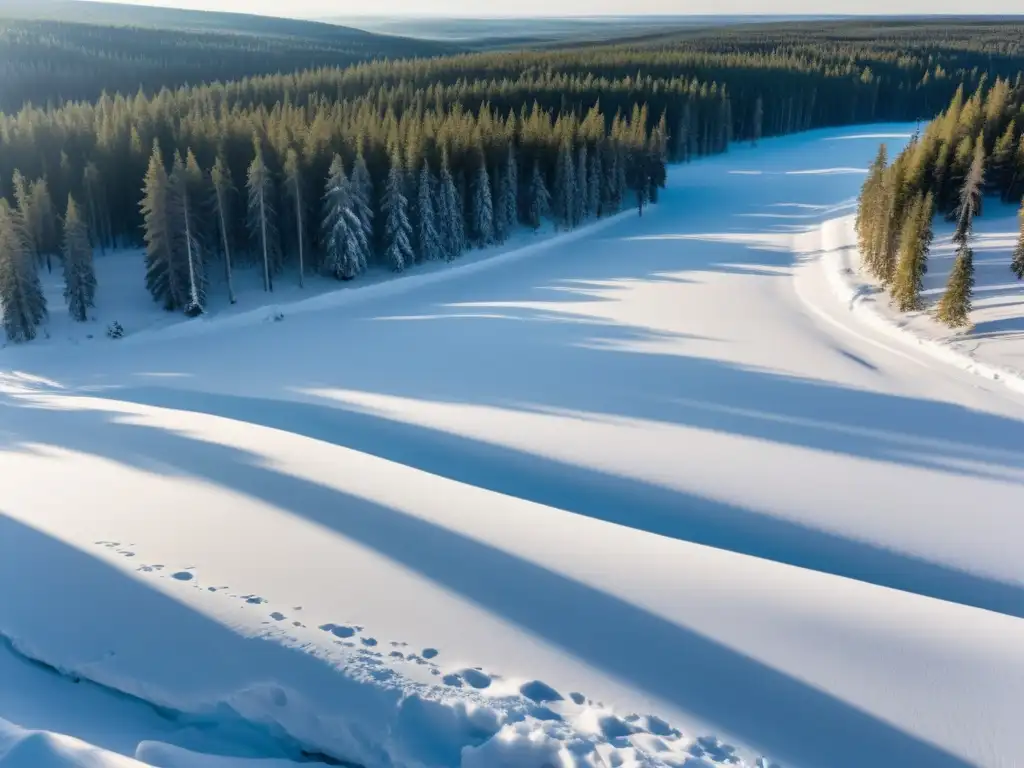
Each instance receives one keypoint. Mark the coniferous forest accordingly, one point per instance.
(974, 149)
(390, 163)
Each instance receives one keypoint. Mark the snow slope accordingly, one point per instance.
(587, 506)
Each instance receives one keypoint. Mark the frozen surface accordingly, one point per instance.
(647, 495)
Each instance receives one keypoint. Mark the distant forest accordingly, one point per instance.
(393, 162)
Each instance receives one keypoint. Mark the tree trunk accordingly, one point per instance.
(267, 285)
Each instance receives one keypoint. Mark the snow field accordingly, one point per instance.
(654, 470)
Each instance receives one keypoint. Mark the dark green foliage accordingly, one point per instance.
(1018, 253)
(954, 307)
(21, 295)
(79, 276)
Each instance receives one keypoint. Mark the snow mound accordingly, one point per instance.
(20, 748)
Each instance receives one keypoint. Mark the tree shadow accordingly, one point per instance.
(769, 710)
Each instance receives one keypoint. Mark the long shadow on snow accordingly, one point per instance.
(769, 710)
(617, 499)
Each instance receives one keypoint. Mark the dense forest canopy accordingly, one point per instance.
(396, 161)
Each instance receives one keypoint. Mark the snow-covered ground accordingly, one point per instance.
(648, 495)
(993, 346)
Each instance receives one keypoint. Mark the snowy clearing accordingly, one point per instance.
(652, 497)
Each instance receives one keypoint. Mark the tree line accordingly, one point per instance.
(974, 149)
(409, 148)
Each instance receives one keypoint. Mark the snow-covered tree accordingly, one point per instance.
(428, 238)
(397, 229)
(220, 180)
(595, 174)
(450, 216)
(539, 198)
(564, 197)
(362, 197)
(294, 177)
(579, 203)
(185, 182)
(345, 238)
(262, 218)
(482, 206)
(79, 275)
(21, 294)
(510, 190)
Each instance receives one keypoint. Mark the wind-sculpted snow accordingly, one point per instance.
(651, 496)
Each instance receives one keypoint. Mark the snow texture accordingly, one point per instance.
(643, 494)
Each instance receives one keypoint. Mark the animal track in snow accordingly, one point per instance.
(429, 653)
(338, 630)
(540, 692)
(476, 678)
(182, 576)
(278, 616)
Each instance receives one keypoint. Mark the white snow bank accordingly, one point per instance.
(993, 355)
(20, 748)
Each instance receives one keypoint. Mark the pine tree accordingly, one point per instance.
(43, 223)
(185, 182)
(431, 247)
(450, 216)
(21, 295)
(163, 278)
(79, 275)
(1018, 253)
(954, 307)
(510, 190)
(220, 179)
(579, 212)
(397, 229)
(564, 202)
(540, 199)
(970, 197)
(910, 269)
(758, 122)
(362, 197)
(262, 216)
(345, 238)
(595, 174)
(293, 175)
(870, 206)
(482, 206)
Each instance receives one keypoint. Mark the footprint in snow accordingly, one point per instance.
(371, 641)
(338, 630)
(540, 692)
(578, 698)
(429, 653)
(182, 576)
(277, 616)
(476, 678)
(453, 680)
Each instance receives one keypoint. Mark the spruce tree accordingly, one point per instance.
(579, 212)
(185, 181)
(594, 177)
(163, 278)
(1018, 253)
(564, 202)
(954, 307)
(397, 230)
(869, 207)
(220, 180)
(344, 236)
(294, 177)
(451, 227)
(428, 238)
(510, 190)
(79, 275)
(539, 198)
(362, 197)
(262, 217)
(482, 206)
(758, 121)
(910, 269)
(43, 223)
(21, 295)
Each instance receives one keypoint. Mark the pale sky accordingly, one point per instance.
(507, 8)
